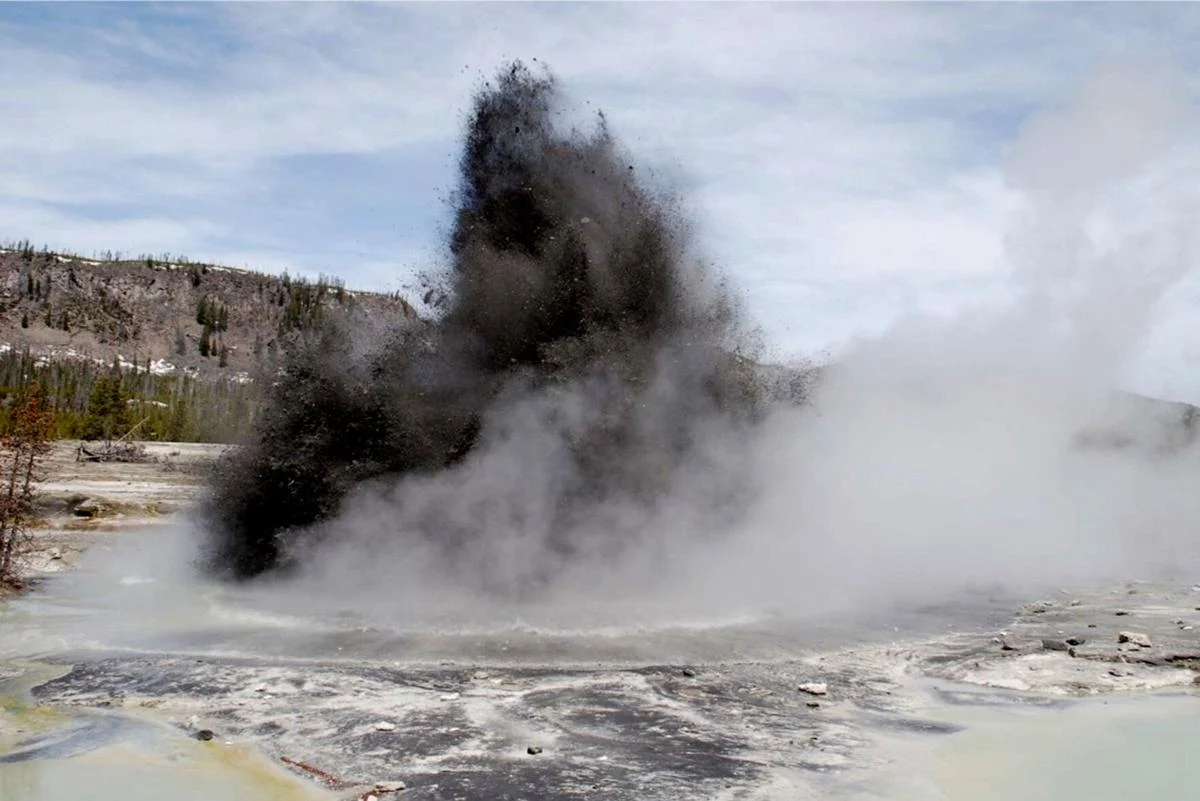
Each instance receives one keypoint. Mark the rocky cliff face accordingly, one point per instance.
(201, 318)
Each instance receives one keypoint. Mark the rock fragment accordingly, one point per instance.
(384, 725)
(390, 787)
(1134, 638)
(814, 688)
(533, 750)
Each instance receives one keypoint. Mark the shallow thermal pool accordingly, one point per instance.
(1099, 750)
(51, 753)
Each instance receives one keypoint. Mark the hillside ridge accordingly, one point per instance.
(163, 314)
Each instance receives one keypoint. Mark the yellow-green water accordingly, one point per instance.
(1114, 750)
(146, 760)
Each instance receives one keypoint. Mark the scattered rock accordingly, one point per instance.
(450, 697)
(533, 750)
(383, 725)
(1121, 612)
(390, 787)
(1004, 646)
(1134, 638)
(1091, 625)
(204, 735)
(56, 553)
(689, 672)
(481, 675)
(1196, 679)
(817, 704)
(1037, 608)
(1054, 645)
(814, 688)
(88, 507)
(1075, 641)
(1076, 602)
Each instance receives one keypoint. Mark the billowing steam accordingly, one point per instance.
(580, 421)
(581, 345)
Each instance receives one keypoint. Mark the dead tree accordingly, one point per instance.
(22, 451)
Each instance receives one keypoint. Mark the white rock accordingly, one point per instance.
(1135, 638)
(814, 688)
(450, 697)
(383, 725)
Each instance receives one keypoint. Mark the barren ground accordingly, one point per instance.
(79, 499)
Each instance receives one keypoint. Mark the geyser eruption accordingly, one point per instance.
(580, 423)
(581, 359)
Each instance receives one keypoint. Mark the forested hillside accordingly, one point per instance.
(180, 348)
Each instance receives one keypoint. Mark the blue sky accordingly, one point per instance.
(843, 161)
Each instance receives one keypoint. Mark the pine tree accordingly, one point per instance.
(205, 341)
(25, 320)
(107, 412)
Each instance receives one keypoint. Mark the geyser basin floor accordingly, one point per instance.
(614, 713)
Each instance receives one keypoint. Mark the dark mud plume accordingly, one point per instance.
(572, 294)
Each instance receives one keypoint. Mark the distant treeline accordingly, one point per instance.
(95, 401)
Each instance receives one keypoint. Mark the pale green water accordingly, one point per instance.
(1119, 750)
(205, 773)
(122, 756)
